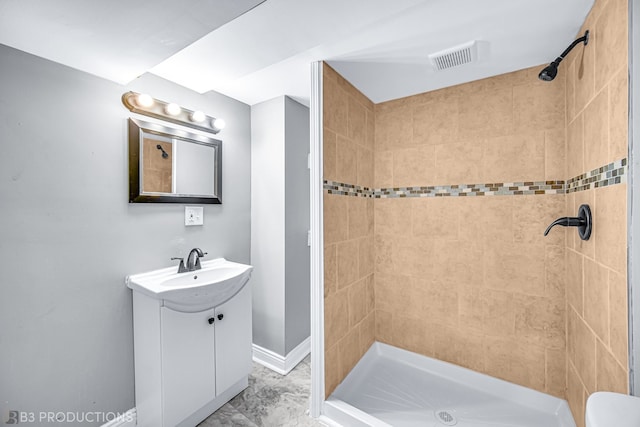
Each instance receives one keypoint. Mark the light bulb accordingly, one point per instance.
(218, 124)
(198, 116)
(172, 109)
(144, 100)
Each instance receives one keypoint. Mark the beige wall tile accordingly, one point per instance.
(619, 116)
(349, 351)
(383, 169)
(357, 121)
(384, 323)
(330, 270)
(575, 147)
(494, 218)
(370, 130)
(459, 163)
(539, 105)
(596, 298)
(540, 320)
(569, 69)
(610, 375)
(522, 364)
(512, 158)
(331, 369)
(576, 395)
(383, 253)
(413, 166)
(575, 295)
(392, 216)
(533, 214)
(596, 132)
(357, 302)
(555, 372)
(336, 225)
(367, 332)
(336, 318)
(394, 129)
(329, 140)
(517, 267)
(487, 113)
(584, 358)
(618, 317)
(410, 334)
(610, 227)
(584, 76)
(556, 276)
(463, 348)
(471, 307)
(498, 314)
(346, 160)
(335, 106)
(364, 160)
(347, 254)
(436, 122)
(435, 218)
(441, 303)
(554, 155)
(413, 256)
(611, 41)
(360, 211)
(366, 257)
(458, 262)
(370, 293)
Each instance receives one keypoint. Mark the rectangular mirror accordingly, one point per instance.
(168, 165)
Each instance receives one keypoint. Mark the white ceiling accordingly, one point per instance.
(380, 46)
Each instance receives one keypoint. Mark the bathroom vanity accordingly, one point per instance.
(192, 348)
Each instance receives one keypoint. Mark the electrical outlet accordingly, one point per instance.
(193, 215)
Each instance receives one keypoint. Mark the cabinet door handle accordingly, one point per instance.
(211, 320)
(220, 316)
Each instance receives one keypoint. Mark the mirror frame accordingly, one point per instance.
(136, 129)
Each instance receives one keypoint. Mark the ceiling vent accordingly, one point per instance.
(455, 56)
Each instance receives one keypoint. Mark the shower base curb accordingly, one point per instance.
(338, 409)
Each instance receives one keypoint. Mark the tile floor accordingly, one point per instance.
(271, 400)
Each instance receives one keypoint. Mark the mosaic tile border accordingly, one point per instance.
(611, 174)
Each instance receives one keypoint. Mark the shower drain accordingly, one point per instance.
(446, 418)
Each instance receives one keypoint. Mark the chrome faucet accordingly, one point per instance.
(193, 260)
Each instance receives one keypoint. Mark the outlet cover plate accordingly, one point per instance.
(193, 215)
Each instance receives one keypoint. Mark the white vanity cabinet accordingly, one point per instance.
(189, 363)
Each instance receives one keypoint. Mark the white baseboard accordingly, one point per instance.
(128, 419)
(281, 364)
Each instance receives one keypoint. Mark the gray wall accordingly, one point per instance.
(280, 220)
(297, 271)
(267, 223)
(68, 236)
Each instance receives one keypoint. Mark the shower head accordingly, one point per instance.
(164, 153)
(550, 71)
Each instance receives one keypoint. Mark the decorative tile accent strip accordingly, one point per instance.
(611, 174)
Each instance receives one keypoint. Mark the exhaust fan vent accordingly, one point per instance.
(455, 56)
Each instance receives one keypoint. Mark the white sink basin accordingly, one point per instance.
(606, 409)
(215, 283)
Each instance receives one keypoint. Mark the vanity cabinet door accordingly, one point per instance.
(188, 366)
(233, 339)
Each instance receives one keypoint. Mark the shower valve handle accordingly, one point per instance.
(582, 221)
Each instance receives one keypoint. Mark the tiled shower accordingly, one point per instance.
(434, 211)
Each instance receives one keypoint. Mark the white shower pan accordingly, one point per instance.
(390, 387)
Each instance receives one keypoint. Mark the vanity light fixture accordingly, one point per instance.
(172, 109)
(218, 124)
(197, 117)
(142, 103)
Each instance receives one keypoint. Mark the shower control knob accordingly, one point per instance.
(220, 316)
(211, 320)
